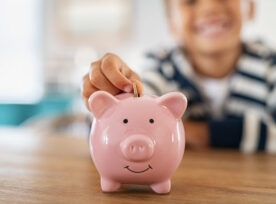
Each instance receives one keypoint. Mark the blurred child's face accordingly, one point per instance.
(206, 26)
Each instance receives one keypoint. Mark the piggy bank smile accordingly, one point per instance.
(138, 172)
(137, 140)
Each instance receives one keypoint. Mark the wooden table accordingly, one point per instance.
(52, 169)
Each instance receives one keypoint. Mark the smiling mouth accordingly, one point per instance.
(213, 29)
(138, 172)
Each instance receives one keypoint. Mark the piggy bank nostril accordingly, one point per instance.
(141, 148)
(132, 148)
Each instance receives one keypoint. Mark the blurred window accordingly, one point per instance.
(20, 51)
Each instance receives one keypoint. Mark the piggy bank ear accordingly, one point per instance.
(101, 101)
(175, 102)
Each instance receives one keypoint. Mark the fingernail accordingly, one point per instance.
(127, 88)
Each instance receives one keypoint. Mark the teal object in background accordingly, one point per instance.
(54, 103)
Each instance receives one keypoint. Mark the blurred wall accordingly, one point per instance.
(264, 25)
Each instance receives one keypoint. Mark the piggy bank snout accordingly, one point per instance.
(137, 148)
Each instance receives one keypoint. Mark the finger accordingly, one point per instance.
(85, 99)
(87, 88)
(98, 80)
(116, 72)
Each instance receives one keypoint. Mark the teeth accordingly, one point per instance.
(211, 29)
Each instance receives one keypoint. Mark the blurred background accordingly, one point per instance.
(46, 46)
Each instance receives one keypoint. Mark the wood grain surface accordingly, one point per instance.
(58, 169)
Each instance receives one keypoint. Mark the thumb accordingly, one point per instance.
(134, 78)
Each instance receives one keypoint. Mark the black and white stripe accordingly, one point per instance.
(252, 91)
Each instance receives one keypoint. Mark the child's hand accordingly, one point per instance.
(110, 74)
(197, 134)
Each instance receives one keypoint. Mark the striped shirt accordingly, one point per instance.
(249, 109)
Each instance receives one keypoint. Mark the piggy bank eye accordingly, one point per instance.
(125, 121)
(151, 120)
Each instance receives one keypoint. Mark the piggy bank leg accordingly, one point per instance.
(109, 185)
(162, 188)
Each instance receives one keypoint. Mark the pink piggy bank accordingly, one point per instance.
(137, 140)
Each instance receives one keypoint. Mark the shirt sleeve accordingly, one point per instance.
(271, 103)
(226, 133)
(154, 80)
(254, 131)
(248, 133)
